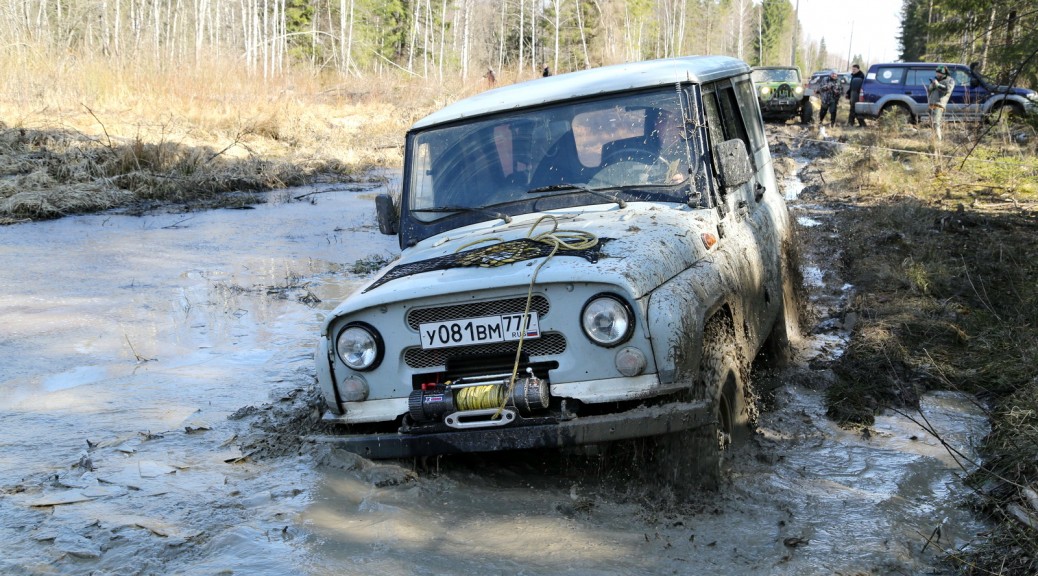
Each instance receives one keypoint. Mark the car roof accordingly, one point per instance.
(603, 80)
(775, 68)
(914, 64)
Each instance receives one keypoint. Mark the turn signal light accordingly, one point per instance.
(709, 240)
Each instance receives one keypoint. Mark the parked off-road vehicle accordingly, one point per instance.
(586, 258)
(780, 91)
(899, 89)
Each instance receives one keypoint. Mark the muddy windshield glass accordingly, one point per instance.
(633, 144)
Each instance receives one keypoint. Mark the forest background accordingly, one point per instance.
(442, 39)
(179, 100)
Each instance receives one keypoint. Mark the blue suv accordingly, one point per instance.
(900, 88)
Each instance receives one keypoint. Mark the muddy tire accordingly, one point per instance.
(780, 347)
(693, 459)
(807, 112)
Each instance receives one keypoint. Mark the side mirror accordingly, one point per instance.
(386, 214)
(734, 163)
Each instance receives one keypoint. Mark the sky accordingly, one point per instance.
(868, 27)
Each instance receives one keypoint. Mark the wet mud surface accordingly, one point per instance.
(156, 401)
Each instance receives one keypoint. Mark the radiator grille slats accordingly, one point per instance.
(418, 316)
(551, 343)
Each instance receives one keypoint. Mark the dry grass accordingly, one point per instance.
(79, 135)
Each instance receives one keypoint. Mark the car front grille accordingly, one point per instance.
(550, 343)
(418, 316)
(784, 91)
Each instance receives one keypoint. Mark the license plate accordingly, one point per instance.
(483, 330)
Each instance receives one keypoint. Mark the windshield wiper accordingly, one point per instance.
(467, 209)
(582, 188)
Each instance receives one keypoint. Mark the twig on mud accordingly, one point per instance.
(103, 129)
(140, 359)
(177, 224)
(308, 194)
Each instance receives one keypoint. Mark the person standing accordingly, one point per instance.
(857, 78)
(830, 94)
(938, 92)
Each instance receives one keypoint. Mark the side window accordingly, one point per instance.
(723, 118)
(889, 75)
(731, 117)
(962, 77)
(919, 76)
(713, 117)
(750, 114)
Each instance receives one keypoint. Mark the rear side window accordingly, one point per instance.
(920, 76)
(890, 75)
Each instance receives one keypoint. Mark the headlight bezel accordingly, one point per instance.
(377, 346)
(621, 305)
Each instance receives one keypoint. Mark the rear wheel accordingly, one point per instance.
(693, 458)
(896, 114)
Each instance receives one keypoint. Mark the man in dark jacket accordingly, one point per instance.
(857, 77)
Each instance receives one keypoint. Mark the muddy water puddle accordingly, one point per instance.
(142, 359)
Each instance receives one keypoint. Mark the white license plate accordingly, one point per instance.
(484, 330)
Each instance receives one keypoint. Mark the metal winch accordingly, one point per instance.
(479, 401)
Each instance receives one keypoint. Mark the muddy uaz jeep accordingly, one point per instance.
(586, 258)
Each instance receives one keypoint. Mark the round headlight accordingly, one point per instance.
(607, 320)
(765, 90)
(799, 90)
(359, 347)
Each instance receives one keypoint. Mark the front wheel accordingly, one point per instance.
(807, 112)
(1010, 112)
(693, 458)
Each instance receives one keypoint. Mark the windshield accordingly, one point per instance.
(777, 75)
(630, 143)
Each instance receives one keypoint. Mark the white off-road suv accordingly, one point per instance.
(586, 258)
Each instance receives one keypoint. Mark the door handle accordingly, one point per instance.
(759, 191)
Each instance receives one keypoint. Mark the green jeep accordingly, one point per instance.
(781, 93)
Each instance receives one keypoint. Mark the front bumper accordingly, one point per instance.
(635, 423)
(775, 106)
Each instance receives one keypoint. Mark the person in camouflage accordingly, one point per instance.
(830, 94)
(938, 92)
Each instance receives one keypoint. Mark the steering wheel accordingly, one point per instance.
(638, 154)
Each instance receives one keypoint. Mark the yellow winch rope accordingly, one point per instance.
(567, 239)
